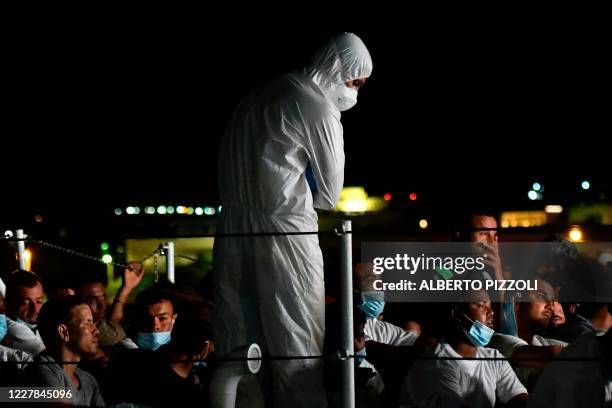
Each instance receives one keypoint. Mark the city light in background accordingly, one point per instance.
(575, 234)
(553, 209)
(27, 256)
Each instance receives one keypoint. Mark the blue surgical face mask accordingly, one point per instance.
(479, 334)
(372, 304)
(32, 327)
(152, 341)
(360, 356)
(3, 327)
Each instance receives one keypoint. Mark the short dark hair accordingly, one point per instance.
(53, 313)
(19, 279)
(149, 297)
(464, 224)
(153, 296)
(189, 333)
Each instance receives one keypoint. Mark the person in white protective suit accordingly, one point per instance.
(270, 289)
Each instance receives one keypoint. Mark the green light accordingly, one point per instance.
(170, 209)
(130, 210)
(209, 210)
(219, 209)
(161, 210)
(190, 210)
(104, 246)
(150, 210)
(199, 211)
(118, 211)
(585, 185)
(106, 258)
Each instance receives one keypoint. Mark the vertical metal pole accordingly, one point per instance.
(169, 251)
(21, 249)
(346, 285)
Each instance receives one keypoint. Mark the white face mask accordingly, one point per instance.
(342, 96)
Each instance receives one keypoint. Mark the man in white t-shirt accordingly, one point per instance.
(24, 299)
(441, 378)
(387, 333)
(372, 303)
(530, 350)
(17, 359)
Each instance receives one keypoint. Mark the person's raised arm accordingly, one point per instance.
(132, 275)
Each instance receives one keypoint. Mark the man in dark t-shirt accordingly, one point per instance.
(164, 377)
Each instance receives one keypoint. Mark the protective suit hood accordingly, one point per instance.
(343, 58)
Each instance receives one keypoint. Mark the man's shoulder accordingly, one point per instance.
(488, 352)
(442, 349)
(18, 329)
(500, 338)
(43, 373)
(86, 378)
(547, 341)
(12, 325)
(309, 99)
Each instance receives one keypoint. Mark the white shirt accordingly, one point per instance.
(21, 337)
(453, 383)
(507, 344)
(568, 384)
(387, 333)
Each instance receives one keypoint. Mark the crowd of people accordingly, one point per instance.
(159, 350)
(149, 352)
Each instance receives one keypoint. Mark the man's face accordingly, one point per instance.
(160, 317)
(558, 316)
(364, 276)
(29, 302)
(359, 340)
(484, 237)
(95, 297)
(82, 331)
(479, 308)
(356, 83)
(538, 311)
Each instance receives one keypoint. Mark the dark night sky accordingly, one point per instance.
(119, 116)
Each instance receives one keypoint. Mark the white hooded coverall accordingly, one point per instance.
(270, 289)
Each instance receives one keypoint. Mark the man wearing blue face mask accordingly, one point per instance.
(372, 303)
(466, 330)
(165, 377)
(156, 317)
